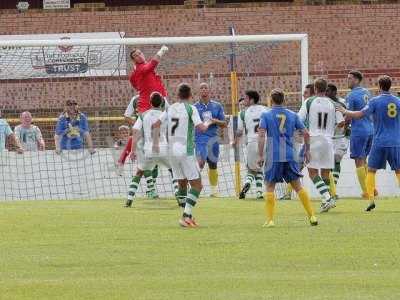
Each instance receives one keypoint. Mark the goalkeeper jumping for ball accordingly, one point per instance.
(144, 78)
(146, 81)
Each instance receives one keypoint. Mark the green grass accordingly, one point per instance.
(99, 250)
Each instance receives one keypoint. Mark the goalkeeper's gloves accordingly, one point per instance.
(162, 51)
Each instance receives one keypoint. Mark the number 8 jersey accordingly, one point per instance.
(385, 109)
(320, 116)
(182, 119)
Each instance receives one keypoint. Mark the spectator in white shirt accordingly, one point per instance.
(29, 135)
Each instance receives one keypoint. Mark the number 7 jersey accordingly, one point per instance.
(182, 119)
(280, 124)
(320, 115)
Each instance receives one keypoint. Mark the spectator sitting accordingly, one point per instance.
(123, 137)
(72, 129)
(29, 136)
(6, 132)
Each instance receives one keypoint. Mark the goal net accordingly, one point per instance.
(39, 73)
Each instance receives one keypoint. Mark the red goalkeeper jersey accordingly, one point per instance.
(145, 81)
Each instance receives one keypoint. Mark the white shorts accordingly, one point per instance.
(141, 159)
(150, 162)
(252, 156)
(340, 147)
(185, 167)
(321, 152)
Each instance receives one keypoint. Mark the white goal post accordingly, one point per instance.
(225, 39)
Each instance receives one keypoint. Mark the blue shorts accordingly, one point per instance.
(282, 171)
(208, 151)
(360, 146)
(380, 155)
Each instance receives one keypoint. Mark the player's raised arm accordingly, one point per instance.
(138, 57)
(160, 53)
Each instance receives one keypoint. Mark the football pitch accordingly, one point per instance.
(100, 250)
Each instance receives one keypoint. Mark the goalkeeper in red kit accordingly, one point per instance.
(144, 78)
(145, 81)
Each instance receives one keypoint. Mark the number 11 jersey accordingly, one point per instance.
(320, 114)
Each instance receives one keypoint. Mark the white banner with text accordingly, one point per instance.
(62, 61)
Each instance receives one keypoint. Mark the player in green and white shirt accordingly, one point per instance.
(131, 115)
(182, 119)
(248, 122)
(154, 145)
(341, 137)
(321, 119)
